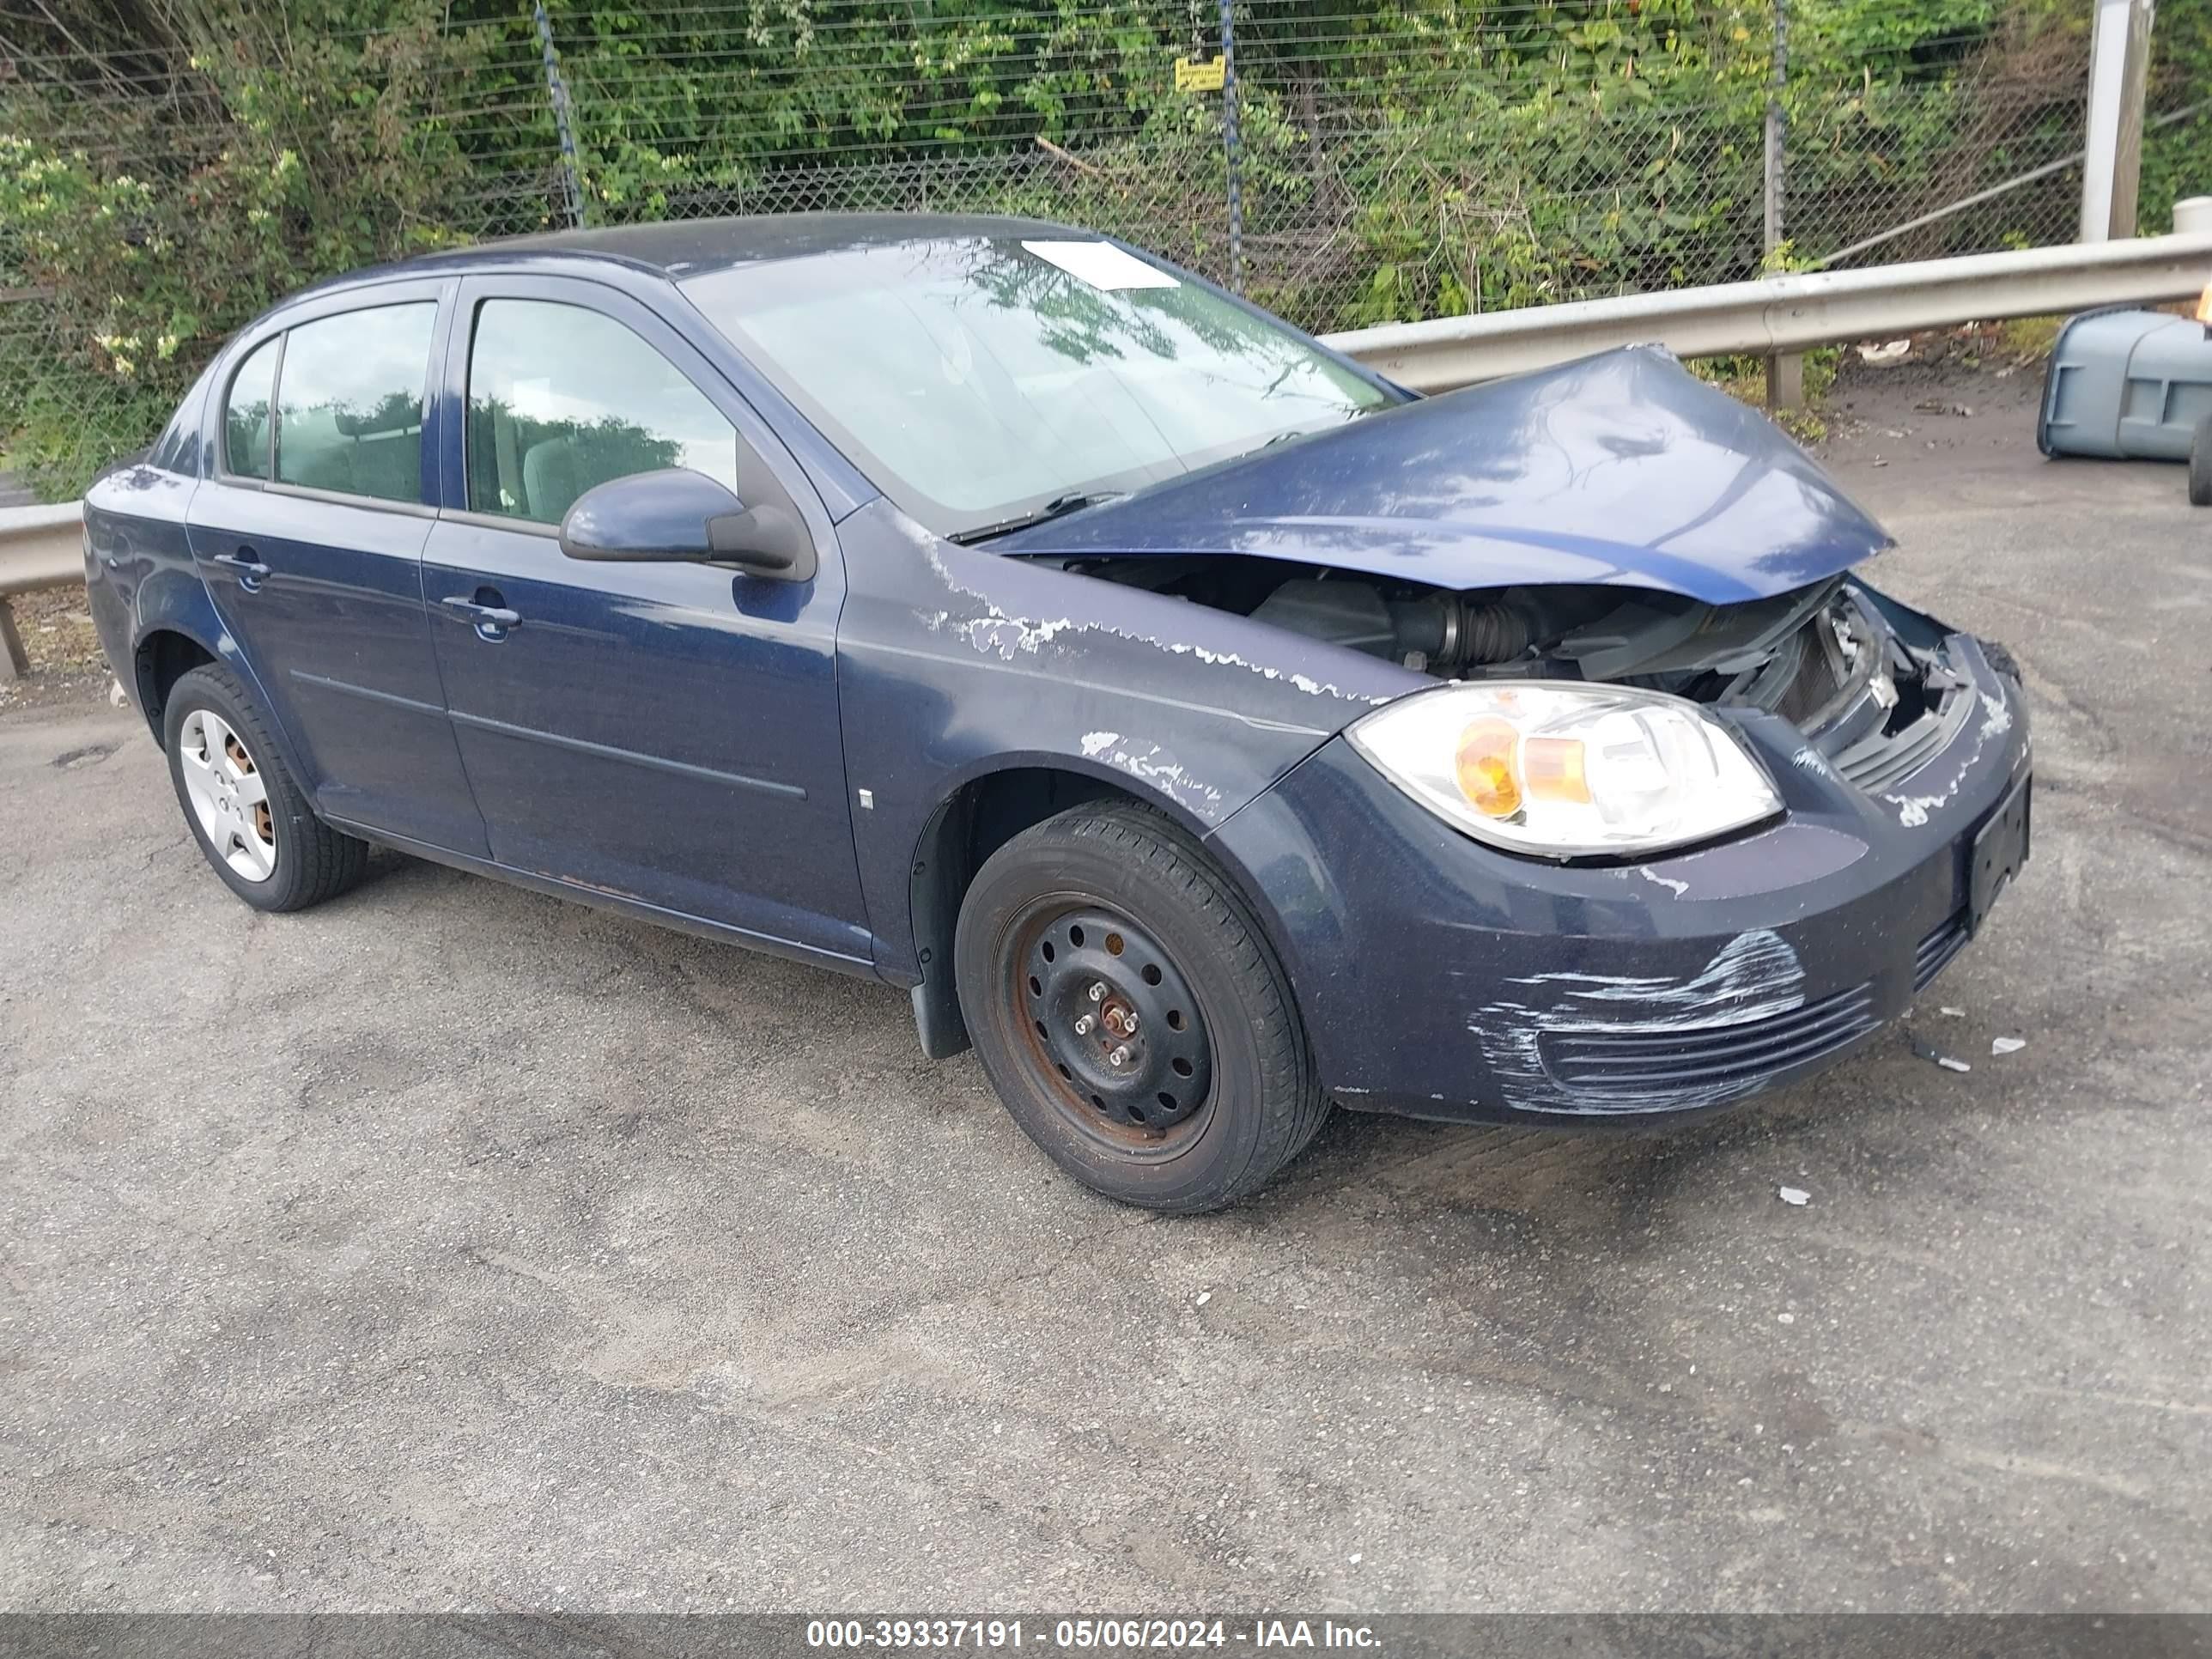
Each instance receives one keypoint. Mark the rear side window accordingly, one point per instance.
(349, 410)
(245, 413)
(562, 398)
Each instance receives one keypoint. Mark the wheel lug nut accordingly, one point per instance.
(1097, 990)
(1118, 1057)
(1129, 1024)
(1083, 1025)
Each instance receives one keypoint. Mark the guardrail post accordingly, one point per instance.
(1785, 380)
(14, 665)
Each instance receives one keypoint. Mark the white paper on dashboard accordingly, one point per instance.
(1102, 264)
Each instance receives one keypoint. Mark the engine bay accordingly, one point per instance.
(1821, 656)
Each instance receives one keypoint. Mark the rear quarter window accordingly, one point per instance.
(178, 449)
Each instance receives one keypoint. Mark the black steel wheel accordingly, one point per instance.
(1131, 1014)
(1119, 1041)
(2200, 464)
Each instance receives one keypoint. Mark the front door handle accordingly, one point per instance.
(251, 572)
(492, 621)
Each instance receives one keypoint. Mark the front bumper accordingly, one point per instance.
(1441, 978)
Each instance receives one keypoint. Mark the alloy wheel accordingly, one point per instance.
(228, 794)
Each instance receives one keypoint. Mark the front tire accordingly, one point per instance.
(1131, 1014)
(2200, 464)
(250, 819)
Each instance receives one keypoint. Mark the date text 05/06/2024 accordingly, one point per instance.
(1075, 1634)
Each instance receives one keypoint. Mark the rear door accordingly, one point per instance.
(664, 731)
(310, 537)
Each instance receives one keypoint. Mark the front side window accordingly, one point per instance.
(977, 377)
(245, 413)
(562, 399)
(350, 411)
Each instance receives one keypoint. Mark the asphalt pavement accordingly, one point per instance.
(451, 1246)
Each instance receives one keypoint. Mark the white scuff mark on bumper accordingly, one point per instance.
(1755, 976)
(1809, 759)
(1677, 888)
(1913, 810)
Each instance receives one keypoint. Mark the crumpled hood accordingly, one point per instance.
(1622, 468)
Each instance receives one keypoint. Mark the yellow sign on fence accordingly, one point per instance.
(1204, 75)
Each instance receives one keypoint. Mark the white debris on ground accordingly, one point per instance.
(2007, 1045)
(1927, 1051)
(1796, 1195)
(1952, 1013)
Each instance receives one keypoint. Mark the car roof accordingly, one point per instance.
(690, 247)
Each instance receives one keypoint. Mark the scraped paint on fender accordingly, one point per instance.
(1618, 469)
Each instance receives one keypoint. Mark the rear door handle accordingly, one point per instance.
(492, 621)
(251, 572)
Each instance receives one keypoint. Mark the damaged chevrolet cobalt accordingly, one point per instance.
(1200, 726)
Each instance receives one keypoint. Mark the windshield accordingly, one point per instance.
(977, 380)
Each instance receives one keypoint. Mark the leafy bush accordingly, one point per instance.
(149, 227)
(167, 168)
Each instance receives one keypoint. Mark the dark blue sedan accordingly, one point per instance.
(1203, 727)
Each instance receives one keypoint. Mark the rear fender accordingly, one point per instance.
(174, 598)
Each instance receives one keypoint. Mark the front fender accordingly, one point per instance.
(956, 662)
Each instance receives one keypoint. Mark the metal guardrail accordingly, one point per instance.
(1777, 314)
(40, 546)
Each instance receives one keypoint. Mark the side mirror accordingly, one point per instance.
(679, 515)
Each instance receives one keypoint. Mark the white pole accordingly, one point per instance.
(2119, 51)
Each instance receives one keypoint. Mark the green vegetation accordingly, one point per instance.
(169, 166)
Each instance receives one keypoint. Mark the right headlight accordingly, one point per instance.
(1562, 769)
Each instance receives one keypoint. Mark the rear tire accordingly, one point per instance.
(1106, 929)
(2200, 464)
(252, 821)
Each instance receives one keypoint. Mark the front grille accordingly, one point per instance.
(1933, 954)
(1878, 761)
(1708, 1056)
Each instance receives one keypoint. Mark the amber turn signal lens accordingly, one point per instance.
(2205, 305)
(1485, 768)
(1552, 770)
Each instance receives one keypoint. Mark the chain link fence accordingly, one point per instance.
(1390, 162)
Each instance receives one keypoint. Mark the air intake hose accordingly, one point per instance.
(1452, 631)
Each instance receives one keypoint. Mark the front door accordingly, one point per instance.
(310, 537)
(666, 732)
